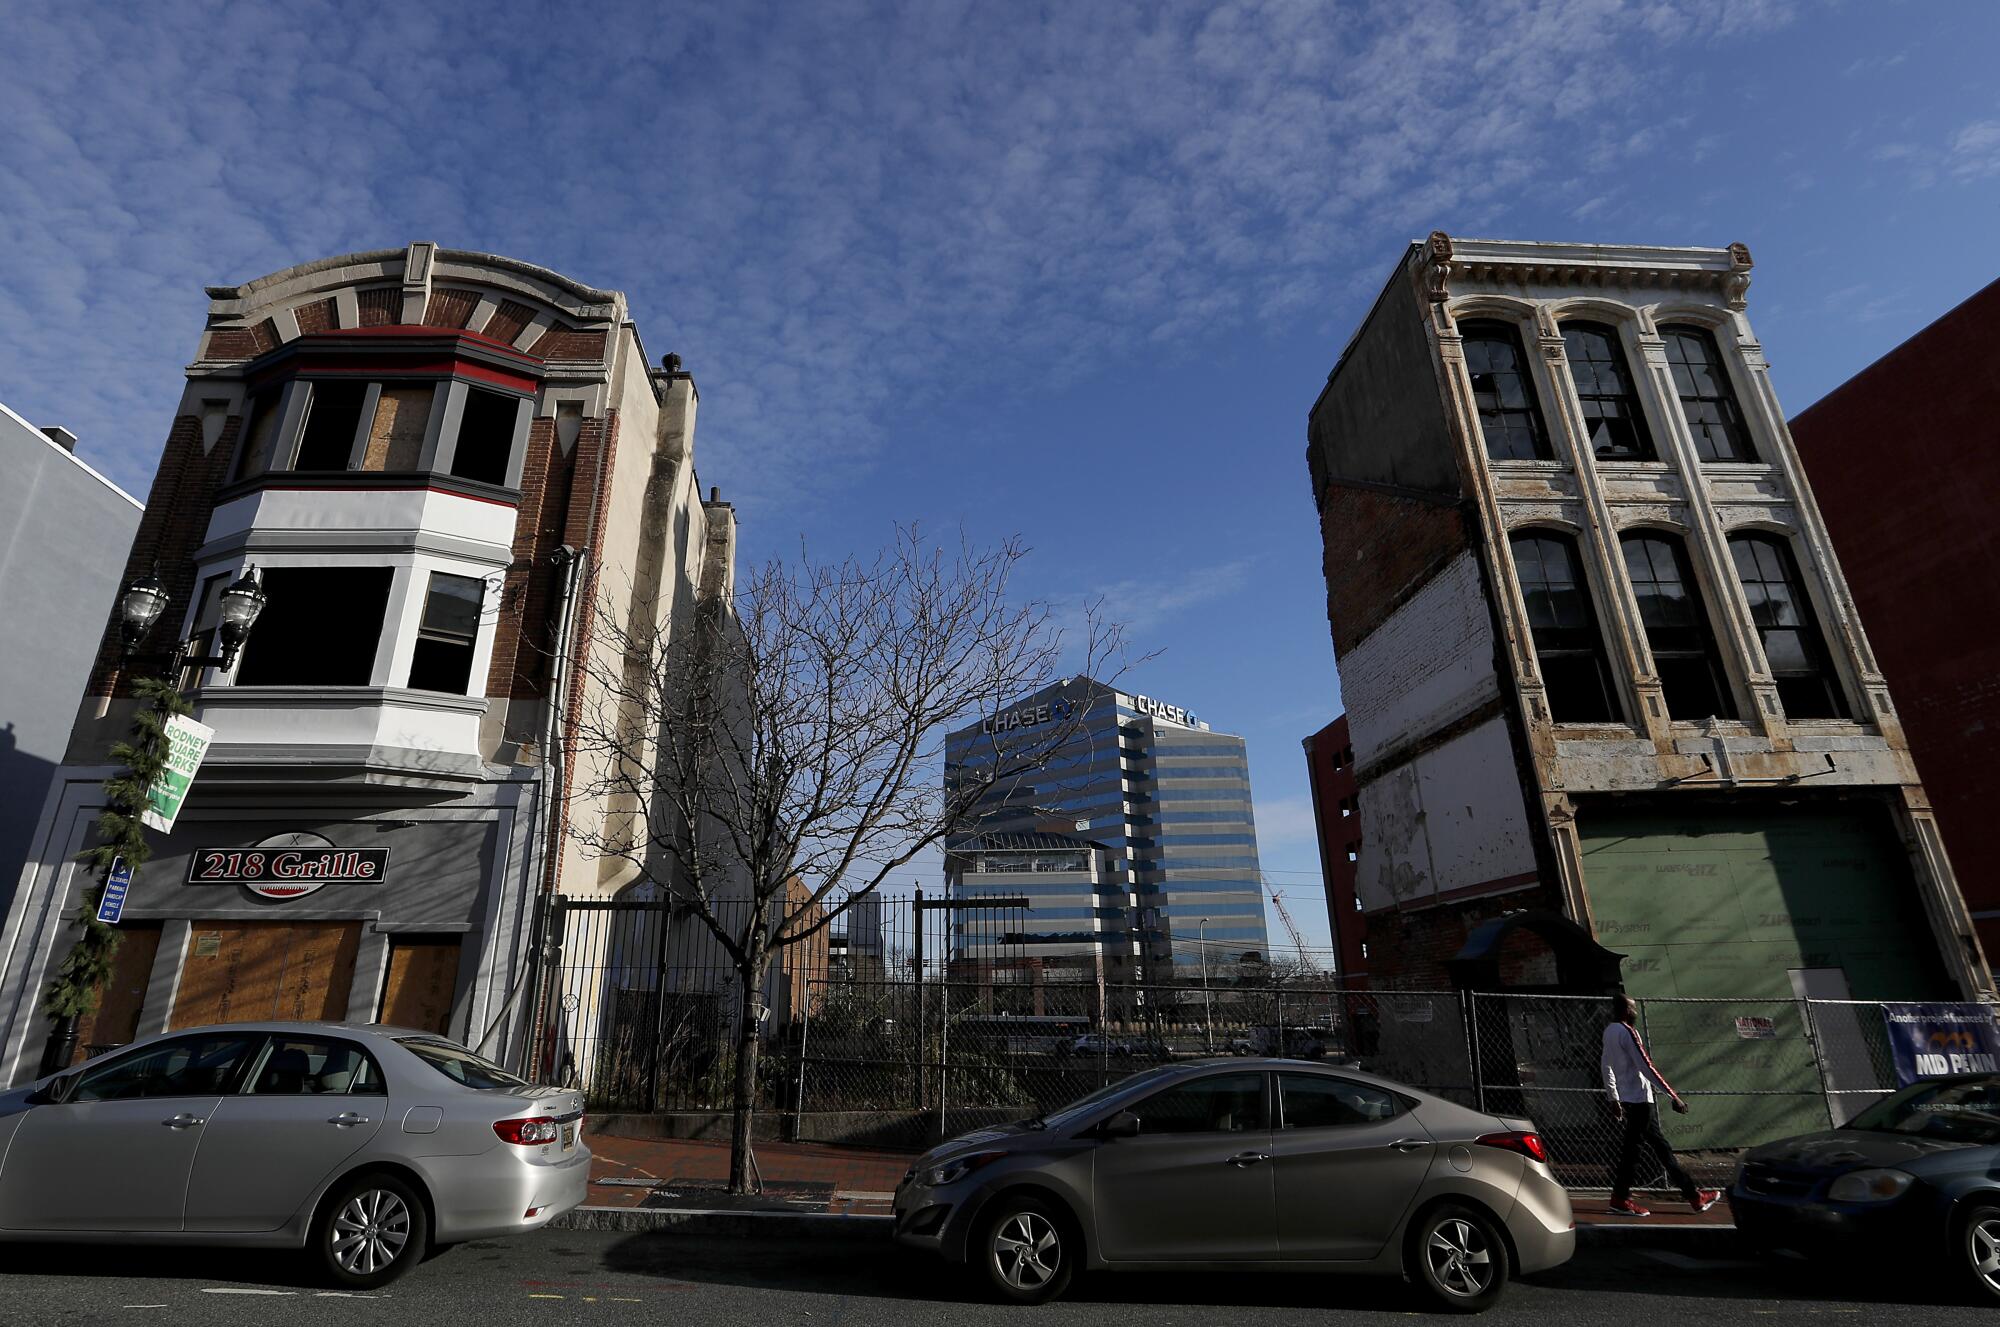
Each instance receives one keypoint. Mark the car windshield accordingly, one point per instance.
(459, 1064)
(1960, 1112)
(1075, 1112)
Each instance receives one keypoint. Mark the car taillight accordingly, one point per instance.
(1529, 1145)
(531, 1132)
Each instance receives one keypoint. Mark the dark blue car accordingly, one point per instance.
(1916, 1175)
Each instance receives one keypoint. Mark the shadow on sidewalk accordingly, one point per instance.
(287, 1268)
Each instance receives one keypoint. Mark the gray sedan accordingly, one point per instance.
(1269, 1164)
(368, 1146)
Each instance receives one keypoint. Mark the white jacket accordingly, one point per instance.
(1629, 1073)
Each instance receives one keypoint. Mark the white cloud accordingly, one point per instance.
(834, 212)
(1975, 150)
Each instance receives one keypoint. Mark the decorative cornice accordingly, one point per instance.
(1447, 262)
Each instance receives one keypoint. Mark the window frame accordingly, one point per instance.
(384, 629)
(1673, 334)
(423, 632)
(247, 1086)
(1263, 1124)
(1708, 650)
(1631, 400)
(1487, 331)
(1613, 691)
(1404, 1104)
(1810, 627)
(233, 1087)
(356, 436)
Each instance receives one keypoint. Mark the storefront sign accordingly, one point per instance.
(1026, 716)
(1159, 709)
(112, 905)
(187, 743)
(287, 866)
(1933, 1040)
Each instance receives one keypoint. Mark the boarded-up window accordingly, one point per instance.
(396, 435)
(237, 971)
(122, 997)
(423, 974)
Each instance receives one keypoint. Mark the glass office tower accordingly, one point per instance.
(1168, 797)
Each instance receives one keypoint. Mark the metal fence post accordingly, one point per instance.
(944, 1054)
(1468, 1010)
(1808, 1017)
(805, 1033)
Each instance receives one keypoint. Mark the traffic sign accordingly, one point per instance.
(112, 906)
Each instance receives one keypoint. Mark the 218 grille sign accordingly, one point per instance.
(288, 870)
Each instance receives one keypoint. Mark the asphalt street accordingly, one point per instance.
(612, 1278)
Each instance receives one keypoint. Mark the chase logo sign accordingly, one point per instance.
(1027, 716)
(1937, 1040)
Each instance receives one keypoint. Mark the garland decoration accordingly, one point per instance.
(73, 992)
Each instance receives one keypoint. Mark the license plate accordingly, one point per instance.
(569, 1136)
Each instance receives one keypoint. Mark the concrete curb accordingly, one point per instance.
(729, 1224)
(806, 1225)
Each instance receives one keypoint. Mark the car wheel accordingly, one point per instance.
(371, 1230)
(1027, 1251)
(1979, 1251)
(1458, 1259)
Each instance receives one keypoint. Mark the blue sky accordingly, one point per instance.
(1074, 271)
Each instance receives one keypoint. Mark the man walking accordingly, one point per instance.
(1630, 1077)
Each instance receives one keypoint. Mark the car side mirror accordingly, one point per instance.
(55, 1092)
(1122, 1125)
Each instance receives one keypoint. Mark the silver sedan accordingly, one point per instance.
(1280, 1165)
(368, 1146)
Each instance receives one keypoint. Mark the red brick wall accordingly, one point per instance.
(319, 316)
(566, 343)
(241, 342)
(1905, 460)
(173, 527)
(507, 321)
(450, 308)
(1378, 548)
(1330, 770)
(381, 307)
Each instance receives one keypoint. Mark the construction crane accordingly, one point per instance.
(1291, 927)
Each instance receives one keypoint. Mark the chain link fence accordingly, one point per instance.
(877, 1032)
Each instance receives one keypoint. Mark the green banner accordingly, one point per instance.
(187, 743)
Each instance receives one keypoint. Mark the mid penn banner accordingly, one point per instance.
(1936, 1040)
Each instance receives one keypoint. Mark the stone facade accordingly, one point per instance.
(1577, 349)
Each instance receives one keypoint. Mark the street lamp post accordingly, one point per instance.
(139, 610)
(1207, 1005)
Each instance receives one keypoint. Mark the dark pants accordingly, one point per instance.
(1642, 1130)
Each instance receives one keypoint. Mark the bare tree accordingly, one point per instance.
(780, 756)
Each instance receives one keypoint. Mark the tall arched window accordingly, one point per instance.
(1612, 419)
(1783, 614)
(1568, 645)
(1707, 400)
(1509, 419)
(1677, 630)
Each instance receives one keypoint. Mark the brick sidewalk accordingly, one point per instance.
(810, 1177)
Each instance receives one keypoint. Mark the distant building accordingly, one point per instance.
(1337, 819)
(1614, 718)
(1167, 797)
(67, 530)
(1905, 461)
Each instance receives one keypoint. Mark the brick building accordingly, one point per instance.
(440, 462)
(1614, 717)
(1922, 554)
(1336, 800)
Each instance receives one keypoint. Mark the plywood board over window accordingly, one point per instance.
(250, 970)
(423, 976)
(396, 435)
(122, 997)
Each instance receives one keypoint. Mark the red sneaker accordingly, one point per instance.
(1706, 1199)
(1626, 1207)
